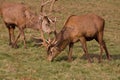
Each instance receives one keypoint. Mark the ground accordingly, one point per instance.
(31, 63)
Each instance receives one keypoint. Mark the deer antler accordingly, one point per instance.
(55, 32)
(43, 14)
(52, 5)
(43, 4)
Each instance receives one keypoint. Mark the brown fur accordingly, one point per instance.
(79, 28)
(20, 15)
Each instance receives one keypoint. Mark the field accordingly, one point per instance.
(31, 63)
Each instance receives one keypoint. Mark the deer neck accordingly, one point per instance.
(33, 23)
(61, 42)
(61, 45)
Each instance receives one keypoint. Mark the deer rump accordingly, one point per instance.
(20, 15)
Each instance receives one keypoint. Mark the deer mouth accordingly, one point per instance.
(50, 59)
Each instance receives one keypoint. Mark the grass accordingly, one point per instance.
(31, 63)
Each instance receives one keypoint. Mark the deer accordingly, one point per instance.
(21, 16)
(81, 29)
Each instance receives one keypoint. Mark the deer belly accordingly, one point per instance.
(89, 38)
(90, 35)
(75, 39)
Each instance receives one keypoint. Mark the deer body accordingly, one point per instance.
(20, 15)
(79, 28)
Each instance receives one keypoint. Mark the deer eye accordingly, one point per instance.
(47, 24)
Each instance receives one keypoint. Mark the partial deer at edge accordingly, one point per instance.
(79, 28)
(21, 16)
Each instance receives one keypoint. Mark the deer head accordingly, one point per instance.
(52, 50)
(46, 23)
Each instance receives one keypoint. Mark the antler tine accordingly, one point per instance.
(55, 32)
(41, 7)
(43, 4)
(52, 5)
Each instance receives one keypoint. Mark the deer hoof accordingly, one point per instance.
(109, 58)
(15, 46)
(10, 44)
(25, 47)
(70, 60)
(90, 61)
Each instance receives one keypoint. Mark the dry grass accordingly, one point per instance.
(31, 64)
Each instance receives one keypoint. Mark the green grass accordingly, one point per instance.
(31, 63)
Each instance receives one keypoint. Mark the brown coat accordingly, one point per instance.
(20, 15)
(79, 28)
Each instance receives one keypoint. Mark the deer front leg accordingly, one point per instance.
(100, 40)
(70, 52)
(14, 45)
(84, 45)
(9, 30)
(12, 34)
(10, 42)
(23, 36)
(21, 31)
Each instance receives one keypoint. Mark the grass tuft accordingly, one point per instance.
(31, 63)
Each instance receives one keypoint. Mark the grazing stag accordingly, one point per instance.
(20, 15)
(78, 28)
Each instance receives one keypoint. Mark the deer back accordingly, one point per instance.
(13, 13)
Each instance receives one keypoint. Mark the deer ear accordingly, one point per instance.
(50, 20)
(53, 21)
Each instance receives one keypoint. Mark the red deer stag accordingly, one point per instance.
(79, 28)
(20, 15)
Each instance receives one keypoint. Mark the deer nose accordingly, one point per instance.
(50, 59)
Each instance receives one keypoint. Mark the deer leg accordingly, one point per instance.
(9, 30)
(23, 36)
(103, 46)
(12, 34)
(106, 51)
(84, 45)
(70, 52)
(14, 45)
(10, 41)
(100, 40)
